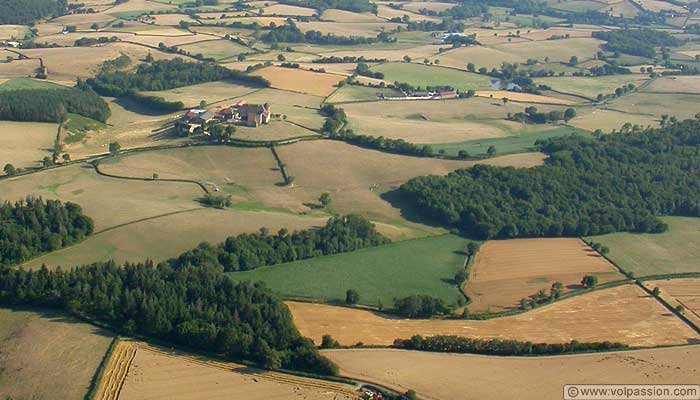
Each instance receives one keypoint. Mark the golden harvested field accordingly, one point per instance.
(210, 92)
(684, 292)
(142, 38)
(607, 120)
(418, 52)
(348, 16)
(217, 49)
(389, 13)
(349, 173)
(149, 372)
(657, 104)
(108, 201)
(172, 19)
(522, 97)
(46, 355)
(624, 314)
(461, 376)
(8, 32)
(84, 21)
(591, 87)
(428, 5)
(623, 8)
(140, 5)
(572, 32)
(675, 84)
(506, 271)
(299, 80)
(19, 68)
(24, 144)
(284, 9)
(658, 6)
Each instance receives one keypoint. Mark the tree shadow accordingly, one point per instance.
(137, 108)
(408, 210)
(62, 317)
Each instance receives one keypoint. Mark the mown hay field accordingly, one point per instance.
(47, 355)
(680, 292)
(675, 84)
(523, 97)
(658, 6)
(623, 314)
(461, 376)
(674, 251)
(422, 266)
(389, 13)
(657, 104)
(210, 92)
(428, 5)
(590, 87)
(284, 9)
(336, 15)
(25, 144)
(9, 32)
(488, 57)
(561, 50)
(355, 93)
(299, 80)
(505, 271)
(424, 75)
(607, 120)
(217, 49)
(164, 373)
(364, 29)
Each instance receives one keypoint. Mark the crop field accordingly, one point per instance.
(674, 84)
(217, 49)
(623, 314)
(656, 104)
(148, 38)
(428, 5)
(389, 13)
(443, 376)
(681, 292)
(299, 80)
(355, 93)
(46, 355)
(348, 16)
(365, 29)
(27, 83)
(18, 69)
(523, 97)
(607, 120)
(356, 177)
(144, 371)
(488, 57)
(284, 9)
(423, 75)
(583, 48)
(676, 250)
(210, 92)
(590, 87)
(9, 32)
(657, 6)
(506, 271)
(523, 141)
(421, 266)
(24, 144)
(390, 54)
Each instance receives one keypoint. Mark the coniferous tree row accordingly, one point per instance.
(51, 105)
(499, 347)
(34, 226)
(21, 12)
(588, 186)
(252, 250)
(194, 306)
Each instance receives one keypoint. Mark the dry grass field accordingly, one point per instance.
(658, 6)
(607, 120)
(624, 314)
(284, 9)
(583, 48)
(590, 87)
(506, 271)
(299, 80)
(460, 376)
(9, 32)
(24, 144)
(523, 97)
(389, 13)
(481, 56)
(18, 69)
(217, 49)
(683, 292)
(146, 372)
(348, 16)
(210, 92)
(365, 29)
(657, 104)
(46, 355)
(675, 84)
(391, 54)
(416, 6)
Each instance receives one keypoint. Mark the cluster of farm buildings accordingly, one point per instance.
(241, 113)
(420, 95)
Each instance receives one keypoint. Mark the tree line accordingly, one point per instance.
(252, 250)
(195, 306)
(166, 74)
(587, 186)
(34, 226)
(22, 12)
(358, 6)
(500, 347)
(52, 105)
(290, 33)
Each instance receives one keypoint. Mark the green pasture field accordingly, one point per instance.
(674, 251)
(590, 87)
(512, 144)
(425, 75)
(380, 274)
(356, 93)
(77, 126)
(27, 83)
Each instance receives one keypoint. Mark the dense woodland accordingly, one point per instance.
(252, 250)
(420, 306)
(22, 12)
(34, 226)
(358, 6)
(290, 33)
(166, 74)
(588, 186)
(637, 42)
(52, 105)
(499, 347)
(194, 306)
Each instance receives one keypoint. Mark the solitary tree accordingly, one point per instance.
(66, 157)
(555, 291)
(352, 297)
(10, 169)
(410, 395)
(471, 67)
(327, 342)
(573, 61)
(491, 151)
(680, 309)
(114, 148)
(569, 114)
(407, 59)
(202, 104)
(47, 161)
(589, 281)
(656, 292)
(472, 248)
(325, 199)
(281, 57)
(94, 26)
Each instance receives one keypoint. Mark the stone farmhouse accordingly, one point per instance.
(241, 113)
